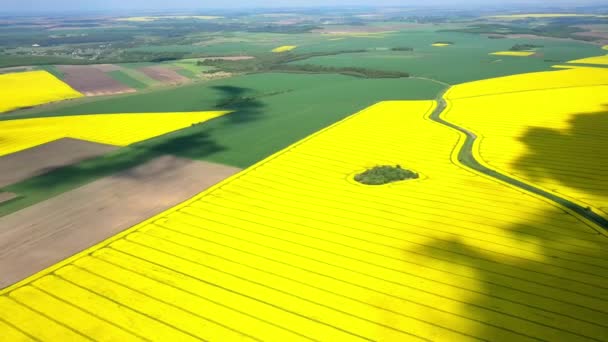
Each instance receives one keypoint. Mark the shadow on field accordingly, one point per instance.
(548, 284)
(242, 101)
(193, 145)
(582, 147)
(195, 142)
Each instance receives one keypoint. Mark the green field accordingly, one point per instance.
(467, 60)
(12, 61)
(126, 79)
(271, 111)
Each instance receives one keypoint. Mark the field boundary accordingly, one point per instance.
(467, 155)
(462, 155)
(186, 203)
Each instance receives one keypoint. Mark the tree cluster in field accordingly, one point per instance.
(402, 48)
(350, 71)
(292, 57)
(281, 62)
(385, 174)
(524, 47)
(266, 62)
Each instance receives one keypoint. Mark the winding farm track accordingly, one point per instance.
(466, 157)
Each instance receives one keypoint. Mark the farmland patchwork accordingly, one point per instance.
(294, 249)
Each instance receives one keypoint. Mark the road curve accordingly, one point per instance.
(467, 158)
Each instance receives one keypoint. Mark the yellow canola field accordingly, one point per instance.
(112, 129)
(513, 53)
(32, 88)
(571, 66)
(605, 47)
(532, 81)
(284, 48)
(440, 44)
(553, 138)
(292, 249)
(602, 60)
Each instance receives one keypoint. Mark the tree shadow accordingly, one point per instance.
(582, 147)
(543, 287)
(196, 142)
(191, 145)
(243, 102)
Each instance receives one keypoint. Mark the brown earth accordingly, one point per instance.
(106, 67)
(6, 196)
(602, 36)
(41, 159)
(40, 236)
(164, 75)
(92, 81)
(595, 31)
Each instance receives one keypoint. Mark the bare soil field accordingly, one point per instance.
(107, 67)
(92, 81)
(6, 196)
(44, 158)
(39, 236)
(601, 35)
(164, 75)
(595, 31)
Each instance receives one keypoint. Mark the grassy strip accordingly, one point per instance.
(53, 70)
(350, 71)
(269, 62)
(186, 73)
(126, 79)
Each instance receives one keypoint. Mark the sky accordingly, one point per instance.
(80, 5)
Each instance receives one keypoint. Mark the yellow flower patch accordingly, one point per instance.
(112, 129)
(32, 88)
